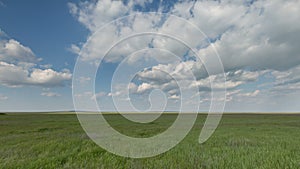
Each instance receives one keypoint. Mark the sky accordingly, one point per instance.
(242, 56)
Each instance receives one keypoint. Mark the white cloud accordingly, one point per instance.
(99, 95)
(15, 76)
(49, 77)
(249, 94)
(163, 75)
(156, 74)
(233, 80)
(132, 87)
(287, 77)
(252, 38)
(13, 51)
(19, 67)
(95, 14)
(253, 94)
(264, 38)
(175, 97)
(212, 17)
(176, 78)
(144, 87)
(50, 94)
(74, 49)
(286, 82)
(257, 35)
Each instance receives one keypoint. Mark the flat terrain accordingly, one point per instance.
(241, 141)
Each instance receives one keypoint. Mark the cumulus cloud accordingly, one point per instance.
(239, 93)
(263, 38)
(252, 94)
(15, 76)
(49, 77)
(97, 13)
(254, 39)
(13, 51)
(174, 97)
(20, 67)
(50, 94)
(286, 82)
(163, 77)
(143, 87)
(290, 76)
(257, 34)
(74, 49)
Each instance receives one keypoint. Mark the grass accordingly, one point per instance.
(241, 141)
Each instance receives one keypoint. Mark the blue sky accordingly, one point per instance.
(48, 29)
(257, 46)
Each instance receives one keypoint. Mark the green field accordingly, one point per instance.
(241, 141)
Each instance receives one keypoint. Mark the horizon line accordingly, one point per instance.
(153, 112)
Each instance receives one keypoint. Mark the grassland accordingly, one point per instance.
(241, 141)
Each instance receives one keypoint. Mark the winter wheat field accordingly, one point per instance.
(241, 141)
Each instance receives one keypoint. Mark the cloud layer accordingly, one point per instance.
(20, 67)
(257, 41)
